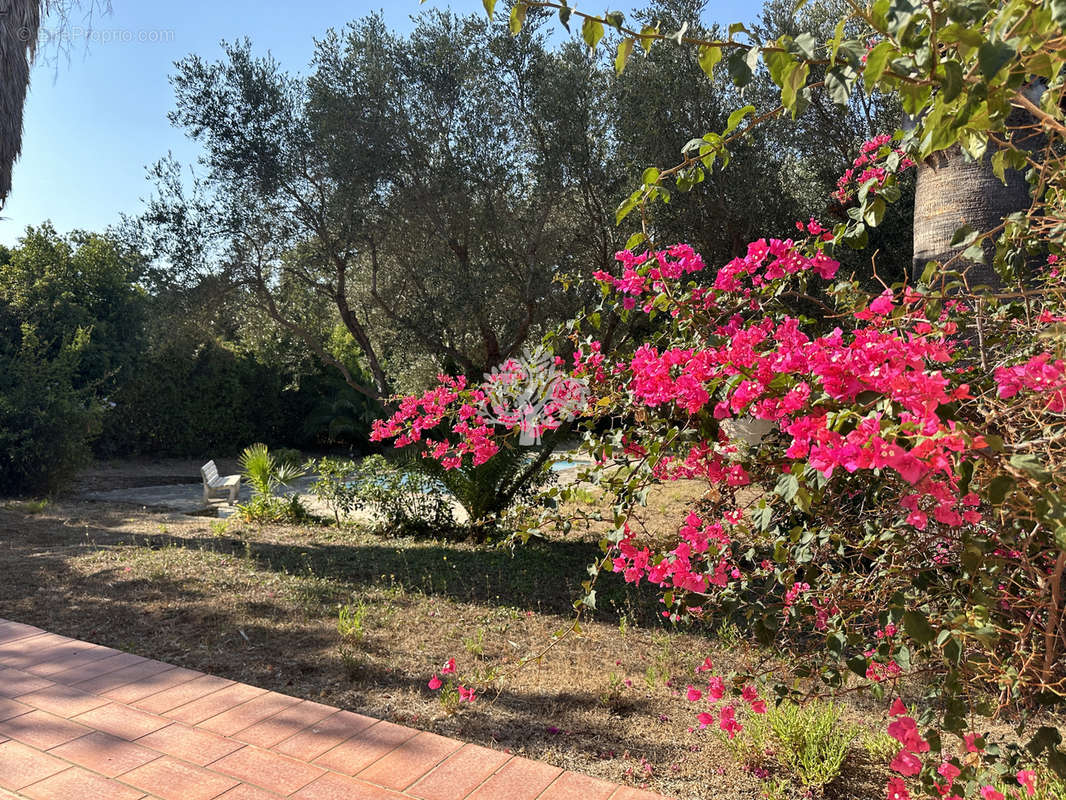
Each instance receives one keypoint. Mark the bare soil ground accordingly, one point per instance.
(261, 604)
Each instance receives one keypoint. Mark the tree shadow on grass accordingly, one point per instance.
(544, 576)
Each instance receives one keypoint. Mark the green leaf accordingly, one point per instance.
(625, 48)
(992, 57)
(874, 212)
(735, 28)
(615, 19)
(739, 70)
(877, 61)
(838, 85)
(648, 35)
(838, 37)
(964, 237)
(637, 238)
(918, 627)
(650, 176)
(999, 488)
(795, 80)
(951, 85)
(736, 118)
(490, 6)
(975, 252)
(592, 32)
(806, 44)
(518, 17)
(858, 665)
(1031, 465)
(564, 17)
(709, 55)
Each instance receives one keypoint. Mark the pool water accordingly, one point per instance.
(559, 466)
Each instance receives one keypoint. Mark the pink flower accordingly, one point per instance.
(896, 790)
(883, 304)
(693, 694)
(706, 666)
(448, 668)
(466, 695)
(970, 740)
(435, 683)
(949, 771)
(906, 763)
(989, 793)
(897, 709)
(1026, 778)
(728, 722)
(905, 731)
(705, 719)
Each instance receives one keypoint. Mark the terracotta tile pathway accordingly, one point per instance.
(83, 722)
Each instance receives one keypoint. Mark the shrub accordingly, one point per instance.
(46, 424)
(408, 501)
(338, 485)
(808, 743)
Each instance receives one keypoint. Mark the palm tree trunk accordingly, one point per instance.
(20, 21)
(953, 190)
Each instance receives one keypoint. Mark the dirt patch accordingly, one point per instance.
(261, 605)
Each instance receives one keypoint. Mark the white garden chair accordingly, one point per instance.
(215, 483)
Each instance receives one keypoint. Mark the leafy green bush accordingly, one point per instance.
(408, 501)
(46, 424)
(338, 485)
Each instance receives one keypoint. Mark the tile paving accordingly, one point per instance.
(83, 722)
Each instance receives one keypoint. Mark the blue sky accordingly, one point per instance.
(97, 117)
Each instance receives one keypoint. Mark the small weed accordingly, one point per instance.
(350, 621)
(809, 743)
(354, 661)
(728, 635)
(611, 695)
(219, 527)
(28, 506)
(651, 677)
(878, 745)
(475, 645)
(776, 789)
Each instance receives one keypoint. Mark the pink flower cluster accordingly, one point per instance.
(772, 260)
(726, 716)
(1039, 374)
(908, 762)
(869, 166)
(466, 694)
(701, 559)
(669, 264)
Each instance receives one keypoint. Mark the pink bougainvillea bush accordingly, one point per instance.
(884, 503)
(902, 506)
